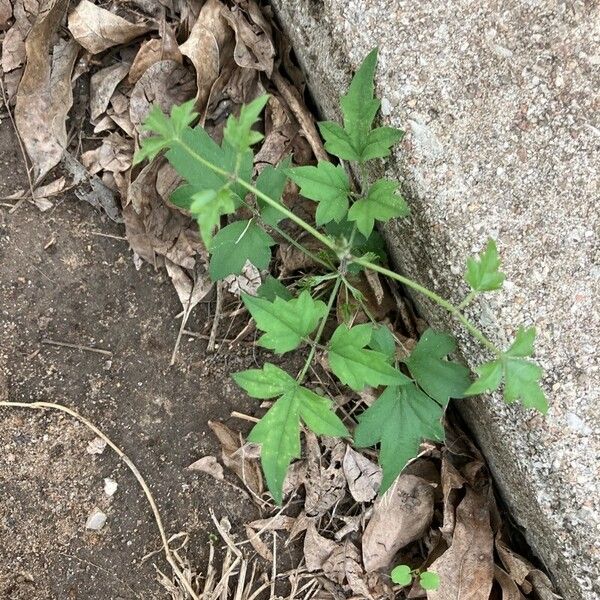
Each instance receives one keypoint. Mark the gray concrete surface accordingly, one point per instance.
(500, 103)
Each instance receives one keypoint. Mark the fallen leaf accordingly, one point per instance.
(363, 476)
(352, 524)
(164, 84)
(452, 481)
(279, 131)
(44, 96)
(317, 549)
(253, 45)
(153, 51)
(13, 49)
(401, 516)
(5, 12)
(466, 569)
(114, 155)
(97, 29)
(103, 83)
(510, 591)
(247, 282)
(325, 482)
(344, 567)
(247, 470)
(208, 39)
(208, 464)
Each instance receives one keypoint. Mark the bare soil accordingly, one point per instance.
(61, 280)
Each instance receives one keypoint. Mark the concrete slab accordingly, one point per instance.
(500, 103)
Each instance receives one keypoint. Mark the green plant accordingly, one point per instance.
(219, 183)
(403, 575)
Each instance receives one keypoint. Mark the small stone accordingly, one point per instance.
(96, 446)
(110, 486)
(96, 520)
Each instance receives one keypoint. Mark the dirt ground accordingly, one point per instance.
(61, 280)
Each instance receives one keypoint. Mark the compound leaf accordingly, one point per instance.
(483, 274)
(237, 243)
(268, 382)
(238, 132)
(326, 184)
(523, 344)
(271, 182)
(316, 413)
(208, 206)
(285, 322)
(272, 288)
(337, 141)
(356, 366)
(382, 203)
(399, 419)
(380, 141)
(440, 378)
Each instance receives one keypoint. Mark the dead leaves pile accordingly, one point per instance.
(440, 515)
(81, 77)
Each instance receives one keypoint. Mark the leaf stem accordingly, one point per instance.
(319, 333)
(467, 300)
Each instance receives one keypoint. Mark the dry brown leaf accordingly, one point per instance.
(190, 291)
(452, 481)
(103, 83)
(164, 84)
(363, 476)
(210, 465)
(114, 155)
(247, 282)
(325, 483)
(344, 567)
(401, 516)
(294, 478)
(317, 549)
(300, 525)
(247, 470)
(279, 131)
(208, 39)
(6, 12)
(13, 49)
(97, 29)
(352, 524)
(253, 45)
(466, 569)
(44, 96)
(153, 51)
(510, 591)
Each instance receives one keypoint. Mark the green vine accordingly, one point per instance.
(417, 388)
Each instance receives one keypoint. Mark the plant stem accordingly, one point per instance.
(319, 333)
(467, 300)
(451, 308)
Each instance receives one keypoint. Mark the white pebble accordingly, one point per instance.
(96, 520)
(110, 486)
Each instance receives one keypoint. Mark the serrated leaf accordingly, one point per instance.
(429, 580)
(440, 378)
(401, 575)
(337, 141)
(490, 378)
(356, 366)
(400, 419)
(278, 432)
(271, 182)
(523, 344)
(316, 412)
(268, 382)
(208, 206)
(380, 141)
(326, 184)
(238, 132)
(285, 322)
(483, 274)
(382, 340)
(237, 243)
(382, 203)
(272, 288)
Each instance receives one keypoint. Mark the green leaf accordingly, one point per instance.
(380, 141)
(402, 575)
(357, 140)
(399, 419)
(268, 382)
(272, 288)
(285, 323)
(483, 274)
(326, 184)
(165, 128)
(382, 203)
(238, 132)
(271, 182)
(316, 413)
(523, 344)
(429, 580)
(490, 378)
(356, 366)
(208, 206)
(440, 378)
(237, 243)
(382, 340)
(278, 432)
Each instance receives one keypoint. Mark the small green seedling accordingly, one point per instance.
(403, 575)
(219, 186)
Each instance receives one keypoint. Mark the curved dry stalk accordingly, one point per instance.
(131, 466)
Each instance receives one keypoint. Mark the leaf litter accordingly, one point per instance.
(440, 514)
